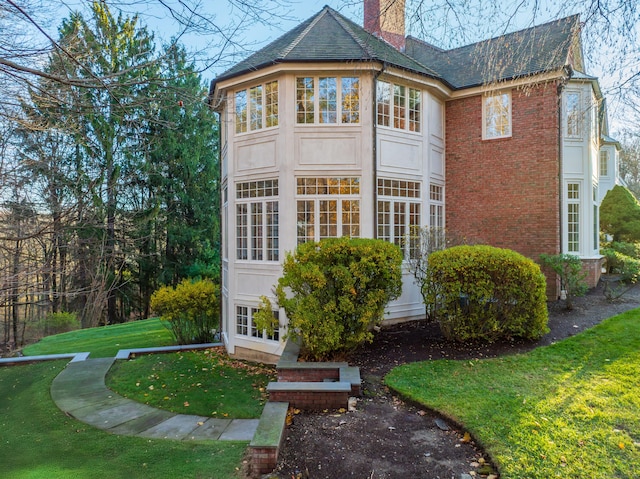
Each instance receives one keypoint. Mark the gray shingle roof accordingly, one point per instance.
(526, 52)
(326, 37)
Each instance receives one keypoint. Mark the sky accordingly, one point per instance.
(475, 20)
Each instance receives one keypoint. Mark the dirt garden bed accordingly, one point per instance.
(387, 438)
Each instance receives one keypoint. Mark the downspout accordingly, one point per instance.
(374, 147)
(564, 79)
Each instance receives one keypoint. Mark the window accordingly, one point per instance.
(257, 235)
(257, 107)
(399, 205)
(604, 163)
(573, 217)
(327, 100)
(327, 208)
(596, 219)
(573, 116)
(436, 207)
(497, 116)
(245, 326)
(401, 110)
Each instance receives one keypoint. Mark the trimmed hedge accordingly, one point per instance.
(334, 292)
(487, 293)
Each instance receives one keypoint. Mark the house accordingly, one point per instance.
(334, 129)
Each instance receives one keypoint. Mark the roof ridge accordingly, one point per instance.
(340, 19)
(573, 18)
(299, 38)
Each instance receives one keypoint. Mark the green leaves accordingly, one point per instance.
(335, 291)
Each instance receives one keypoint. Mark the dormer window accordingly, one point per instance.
(327, 100)
(496, 116)
(257, 107)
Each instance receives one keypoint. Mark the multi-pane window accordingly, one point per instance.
(327, 208)
(573, 217)
(257, 107)
(399, 205)
(497, 116)
(436, 207)
(398, 106)
(604, 163)
(257, 233)
(246, 327)
(327, 100)
(573, 114)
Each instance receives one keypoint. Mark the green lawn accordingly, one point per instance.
(206, 383)
(570, 410)
(41, 442)
(105, 341)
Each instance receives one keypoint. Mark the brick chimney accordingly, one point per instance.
(385, 19)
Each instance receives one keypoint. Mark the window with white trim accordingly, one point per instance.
(573, 217)
(496, 114)
(436, 206)
(327, 208)
(596, 219)
(398, 106)
(257, 107)
(399, 204)
(246, 327)
(327, 100)
(604, 163)
(573, 114)
(257, 231)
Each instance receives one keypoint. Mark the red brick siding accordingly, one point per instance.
(312, 400)
(263, 459)
(307, 375)
(505, 192)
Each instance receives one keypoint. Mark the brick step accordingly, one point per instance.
(311, 395)
(267, 440)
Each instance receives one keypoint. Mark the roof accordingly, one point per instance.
(526, 52)
(328, 36)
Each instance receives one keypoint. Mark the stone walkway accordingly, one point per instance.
(80, 391)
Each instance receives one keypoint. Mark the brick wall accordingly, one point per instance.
(307, 374)
(312, 400)
(505, 192)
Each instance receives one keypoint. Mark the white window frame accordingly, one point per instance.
(400, 214)
(314, 195)
(245, 327)
(256, 107)
(502, 127)
(573, 216)
(328, 98)
(398, 106)
(257, 221)
(604, 163)
(573, 114)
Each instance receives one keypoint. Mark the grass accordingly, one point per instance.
(40, 442)
(569, 410)
(206, 383)
(105, 341)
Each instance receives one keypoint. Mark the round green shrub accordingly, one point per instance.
(486, 293)
(191, 310)
(334, 292)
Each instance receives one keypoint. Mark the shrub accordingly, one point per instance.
(628, 249)
(62, 322)
(191, 310)
(487, 293)
(568, 267)
(334, 292)
(625, 268)
(620, 215)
